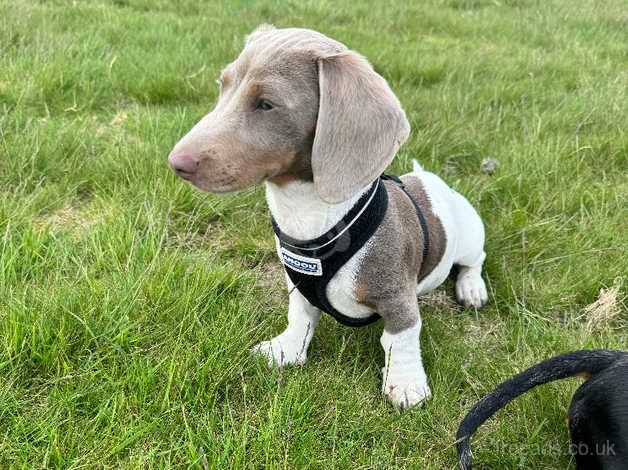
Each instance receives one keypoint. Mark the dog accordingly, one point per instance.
(317, 125)
(597, 416)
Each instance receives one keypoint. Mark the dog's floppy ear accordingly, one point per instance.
(360, 126)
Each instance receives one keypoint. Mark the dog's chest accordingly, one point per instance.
(341, 289)
(299, 213)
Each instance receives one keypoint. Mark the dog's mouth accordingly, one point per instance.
(186, 175)
(215, 185)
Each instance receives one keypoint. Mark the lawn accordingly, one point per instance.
(129, 301)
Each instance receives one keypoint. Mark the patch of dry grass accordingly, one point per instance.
(606, 309)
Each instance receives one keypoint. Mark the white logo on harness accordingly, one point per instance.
(302, 264)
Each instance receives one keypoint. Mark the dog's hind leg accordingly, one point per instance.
(470, 287)
(291, 346)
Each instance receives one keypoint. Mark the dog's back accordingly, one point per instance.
(598, 419)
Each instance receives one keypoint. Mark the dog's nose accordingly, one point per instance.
(183, 164)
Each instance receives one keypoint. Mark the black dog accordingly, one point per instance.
(598, 415)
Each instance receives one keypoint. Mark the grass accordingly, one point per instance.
(129, 301)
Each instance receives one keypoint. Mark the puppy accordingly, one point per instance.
(317, 125)
(598, 415)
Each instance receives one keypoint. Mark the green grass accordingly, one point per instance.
(129, 301)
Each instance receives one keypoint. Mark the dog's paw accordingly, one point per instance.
(406, 393)
(282, 351)
(471, 290)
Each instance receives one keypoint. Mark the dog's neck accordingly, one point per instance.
(300, 213)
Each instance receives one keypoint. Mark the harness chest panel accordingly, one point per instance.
(312, 264)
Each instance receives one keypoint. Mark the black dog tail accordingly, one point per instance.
(586, 363)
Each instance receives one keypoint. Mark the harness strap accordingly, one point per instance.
(426, 234)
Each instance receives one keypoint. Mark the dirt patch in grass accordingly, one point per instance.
(69, 219)
(438, 299)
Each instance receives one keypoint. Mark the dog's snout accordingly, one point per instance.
(184, 164)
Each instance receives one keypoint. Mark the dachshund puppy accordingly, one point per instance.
(317, 125)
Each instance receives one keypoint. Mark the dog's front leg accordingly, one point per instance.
(291, 346)
(404, 380)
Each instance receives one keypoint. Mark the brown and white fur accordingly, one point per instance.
(314, 122)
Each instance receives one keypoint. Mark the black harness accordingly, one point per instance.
(311, 264)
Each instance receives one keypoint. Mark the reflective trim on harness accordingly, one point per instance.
(340, 228)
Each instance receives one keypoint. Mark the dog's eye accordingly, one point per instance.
(264, 105)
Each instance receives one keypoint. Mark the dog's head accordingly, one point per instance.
(295, 105)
